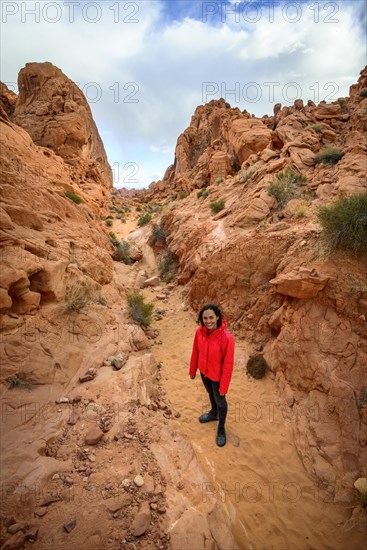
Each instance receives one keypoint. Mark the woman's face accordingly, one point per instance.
(210, 319)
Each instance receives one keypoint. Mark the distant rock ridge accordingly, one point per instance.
(221, 139)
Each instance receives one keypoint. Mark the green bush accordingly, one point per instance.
(246, 174)
(112, 235)
(18, 382)
(144, 219)
(203, 193)
(77, 297)
(157, 235)
(109, 222)
(217, 206)
(257, 366)
(316, 128)
(73, 197)
(284, 186)
(219, 180)
(182, 195)
(300, 211)
(363, 92)
(344, 223)
(109, 217)
(139, 310)
(121, 253)
(168, 267)
(329, 155)
(139, 209)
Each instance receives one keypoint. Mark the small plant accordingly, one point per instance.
(77, 297)
(182, 195)
(363, 92)
(144, 219)
(246, 175)
(344, 223)
(217, 206)
(99, 300)
(139, 310)
(109, 217)
(168, 267)
(203, 193)
(112, 235)
(17, 382)
(109, 222)
(73, 197)
(300, 211)
(329, 155)
(316, 128)
(284, 187)
(121, 253)
(139, 209)
(219, 180)
(157, 235)
(257, 366)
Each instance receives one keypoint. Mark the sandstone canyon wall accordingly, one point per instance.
(55, 249)
(267, 266)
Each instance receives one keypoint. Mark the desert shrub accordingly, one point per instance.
(99, 299)
(246, 174)
(257, 366)
(300, 211)
(363, 92)
(168, 267)
(16, 381)
(316, 128)
(112, 235)
(121, 253)
(182, 195)
(139, 209)
(139, 310)
(144, 219)
(73, 197)
(157, 235)
(217, 206)
(329, 155)
(109, 222)
(77, 297)
(219, 180)
(284, 186)
(109, 217)
(203, 193)
(344, 223)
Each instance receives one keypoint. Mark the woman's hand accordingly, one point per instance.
(193, 377)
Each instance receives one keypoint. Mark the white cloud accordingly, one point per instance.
(164, 61)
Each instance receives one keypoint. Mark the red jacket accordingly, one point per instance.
(213, 355)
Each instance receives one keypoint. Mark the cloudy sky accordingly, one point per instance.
(145, 66)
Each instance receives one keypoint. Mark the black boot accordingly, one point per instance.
(221, 436)
(208, 417)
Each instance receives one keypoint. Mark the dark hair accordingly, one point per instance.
(216, 310)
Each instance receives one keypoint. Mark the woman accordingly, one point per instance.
(213, 355)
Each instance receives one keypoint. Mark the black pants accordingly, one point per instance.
(218, 402)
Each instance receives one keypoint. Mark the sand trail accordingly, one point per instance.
(258, 474)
